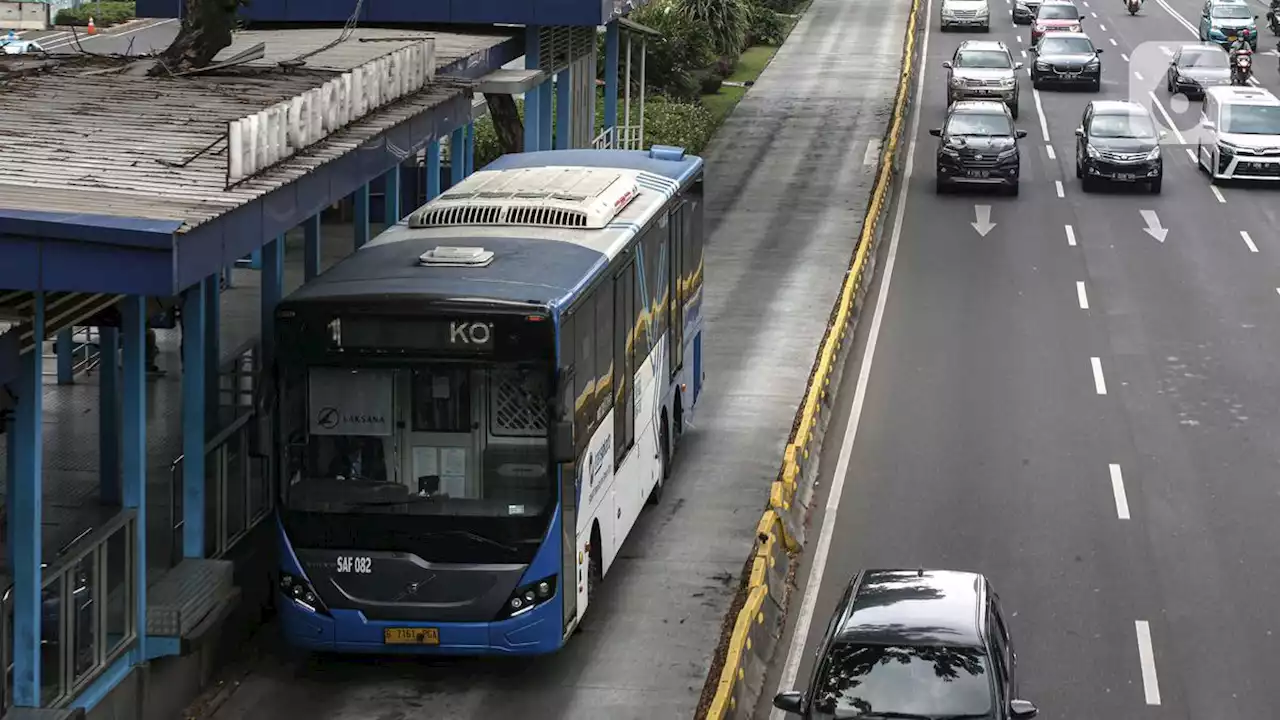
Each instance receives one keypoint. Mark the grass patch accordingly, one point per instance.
(750, 66)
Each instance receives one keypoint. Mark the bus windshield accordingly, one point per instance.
(445, 438)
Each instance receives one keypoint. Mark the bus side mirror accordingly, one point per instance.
(562, 442)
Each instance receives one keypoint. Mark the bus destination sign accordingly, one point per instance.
(418, 334)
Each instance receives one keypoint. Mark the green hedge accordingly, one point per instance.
(766, 26)
(666, 122)
(107, 13)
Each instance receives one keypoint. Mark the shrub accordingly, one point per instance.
(724, 21)
(766, 26)
(683, 124)
(786, 7)
(112, 12)
(674, 60)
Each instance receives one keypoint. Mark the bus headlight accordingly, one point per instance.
(527, 597)
(301, 593)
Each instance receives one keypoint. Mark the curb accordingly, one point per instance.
(754, 634)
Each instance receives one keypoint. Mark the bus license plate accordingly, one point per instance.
(411, 636)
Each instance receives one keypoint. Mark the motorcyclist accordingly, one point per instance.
(1126, 3)
(1240, 46)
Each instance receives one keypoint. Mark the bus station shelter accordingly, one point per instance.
(124, 202)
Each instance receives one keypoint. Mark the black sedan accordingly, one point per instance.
(914, 644)
(1066, 58)
(1196, 67)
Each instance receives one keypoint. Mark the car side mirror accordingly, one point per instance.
(1032, 50)
(1019, 134)
(1164, 134)
(946, 64)
(1079, 132)
(789, 702)
(936, 132)
(562, 442)
(1017, 66)
(1098, 51)
(1023, 710)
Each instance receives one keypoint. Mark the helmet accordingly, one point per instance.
(1245, 33)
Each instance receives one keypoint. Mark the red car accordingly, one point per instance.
(1055, 15)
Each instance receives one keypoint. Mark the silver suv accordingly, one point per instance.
(983, 70)
(965, 14)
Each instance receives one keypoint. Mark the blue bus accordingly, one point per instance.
(471, 411)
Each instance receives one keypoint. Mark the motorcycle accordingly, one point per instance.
(1241, 66)
(1273, 17)
(1134, 6)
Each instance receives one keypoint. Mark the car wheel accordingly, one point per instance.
(940, 186)
(1155, 184)
(1013, 189)
(1086, 184)
(986, 28)
(1079, 170)
(1035, 82)
(1097, 86)
(1013, 109)
(1168, 84)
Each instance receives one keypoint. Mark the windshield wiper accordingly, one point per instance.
(918, 716)
(476, 538)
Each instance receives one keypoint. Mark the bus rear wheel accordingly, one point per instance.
(593, 569)
(664, 453)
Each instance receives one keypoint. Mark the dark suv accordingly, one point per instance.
(1118, 141)
(914, 643)
(979, 147)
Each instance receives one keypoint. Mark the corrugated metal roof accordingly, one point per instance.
(361, 46)
(116, 144)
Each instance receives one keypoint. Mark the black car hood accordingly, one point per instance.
(1066, 58)
(979, 143)
(1124, 145)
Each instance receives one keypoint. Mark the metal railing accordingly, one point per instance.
(85, 351)
(236, 378)
(620, 137)
(87, 616)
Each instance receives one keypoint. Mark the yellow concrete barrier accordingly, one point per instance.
(758, 625)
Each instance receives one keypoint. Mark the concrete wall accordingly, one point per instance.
(24, 15)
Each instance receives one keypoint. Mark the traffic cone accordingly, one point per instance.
(92, 28)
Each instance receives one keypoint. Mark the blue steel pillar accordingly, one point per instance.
(611, 76)
(433, 170)
(193, 416)
(133, 432)
(24, 500)
(546, 94)
(66, 358)
(532, 98)
(360, 201)
(470, 153)
(212, 346)
(311, 247)
(109, 415)
(457, 156)
(392, 197)
(564, 109)
(272, 292)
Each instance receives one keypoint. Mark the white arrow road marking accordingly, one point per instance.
(1153, 227)
(983, 215)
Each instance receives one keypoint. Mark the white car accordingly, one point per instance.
(1240, 134)
(20, 47)
(966, 14)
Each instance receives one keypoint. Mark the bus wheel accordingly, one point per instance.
(664, 450)
(593, 568)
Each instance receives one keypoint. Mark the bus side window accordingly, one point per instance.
(695, 240)
(624, 333)
(657, 255)
(584, 364)
(604, 351)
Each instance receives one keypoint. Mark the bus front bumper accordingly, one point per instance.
(535, 632)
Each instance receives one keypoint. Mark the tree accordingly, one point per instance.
(206, 30)
(506, 122)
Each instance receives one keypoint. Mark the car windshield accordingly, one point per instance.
(1058, 12)
(1066, 46)
(984, 59)
(985, 124)
(1251, 119)
(1122, 126)
(1203, 59)
(1231, 12)
(877, 680)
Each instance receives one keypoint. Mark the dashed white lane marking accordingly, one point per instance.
(1113, 40)
(1212, 188)
(1081, 294)
(1044, 124)
(1117, 489)
(872, 155)
(1124, 57)
(1024, 53)
(1165, 113)
(1019, 38)
(1049, 149)
(1057, 185)
(1248, 241)
(1137, 74)
(1071, 236)
(1094, 14)
(1147, 657)
(1099, 382)
(1102, 27)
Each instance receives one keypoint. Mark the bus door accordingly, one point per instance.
(441, 438)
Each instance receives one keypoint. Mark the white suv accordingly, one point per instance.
(1240, 134)
(966, 13)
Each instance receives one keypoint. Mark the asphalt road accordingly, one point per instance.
(1083, 412)
(789, 176)
(136, 38)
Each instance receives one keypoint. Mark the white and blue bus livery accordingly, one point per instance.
(472, 409)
